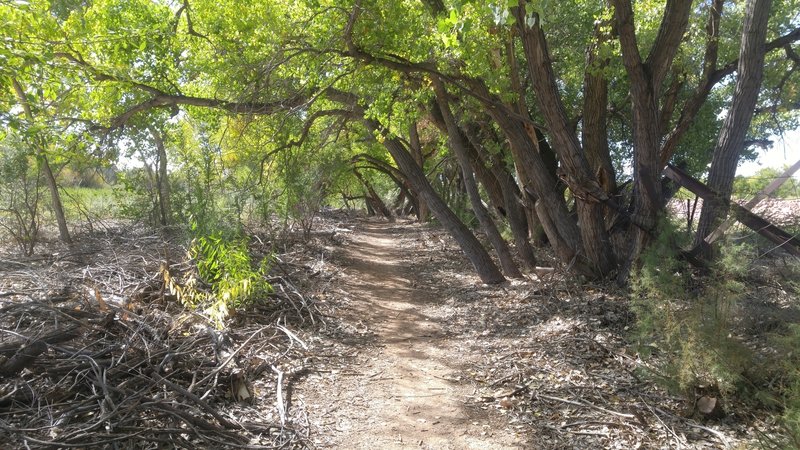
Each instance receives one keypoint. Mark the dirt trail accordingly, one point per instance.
(402, 392)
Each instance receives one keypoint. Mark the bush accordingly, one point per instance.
(21, 195)
(225, 279)
(688, 318)
(788, 384)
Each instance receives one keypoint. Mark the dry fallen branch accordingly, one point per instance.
(96, 356)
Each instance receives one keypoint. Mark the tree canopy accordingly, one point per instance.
(563, 113)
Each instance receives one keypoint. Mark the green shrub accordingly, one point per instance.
(788, 385)
(22, 195)
(225, 279)
(688, 318)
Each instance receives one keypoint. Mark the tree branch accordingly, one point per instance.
(712, 76)
(670, 33)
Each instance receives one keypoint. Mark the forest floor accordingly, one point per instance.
(377, 336)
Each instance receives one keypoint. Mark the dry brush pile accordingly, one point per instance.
(95, 353)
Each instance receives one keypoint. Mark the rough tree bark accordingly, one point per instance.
(509, 197)
(500, 186)
(588, 193)
(484, 265)
(737, 122)
(162, 180)
(562, 231)
(646, 78)
(416, 148)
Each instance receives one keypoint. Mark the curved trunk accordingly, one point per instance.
(512, 205)
(52, 185)
(534, 176)
(480, 259)
(486, 268)
(373, 199)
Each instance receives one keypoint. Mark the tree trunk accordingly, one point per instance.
(594, 133)
(646, 78)
(423, 212)
(588, 193)
(563, 235)
(458, 146)
(373, 198)
(55, 197)
(734, 129)
(486, 268)
(398, 178)
(162, 180)
(511, 201)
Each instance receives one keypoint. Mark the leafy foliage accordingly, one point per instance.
(225, 268)
(748, 186)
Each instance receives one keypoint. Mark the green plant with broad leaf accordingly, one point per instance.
(225, 279)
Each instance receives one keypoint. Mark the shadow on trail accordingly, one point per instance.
(403, 385)
(382, 282)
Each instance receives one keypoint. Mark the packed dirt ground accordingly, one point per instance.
(378, 335)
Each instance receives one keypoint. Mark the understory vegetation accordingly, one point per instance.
(720, 336)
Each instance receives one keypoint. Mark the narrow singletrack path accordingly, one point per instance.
(404, 390)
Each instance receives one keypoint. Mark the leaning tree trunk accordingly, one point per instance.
(423, 212)
(373, 198)
(52, 185)
(486, 268)
(734, 129)
(55, 197)
(509, 199)
(499, 184)
(562, 231)
(458, 146)
(587, 192)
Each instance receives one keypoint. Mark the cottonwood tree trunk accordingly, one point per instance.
(373, 199)
(594, 133)
(499, 184)
(55, 198)
(50, 179)
(458, 146)
(562, 231)
(736, 124)
(646, 77)
(588, 193)
(484, 265)
(486, 268)
(416, 148)
(399, 178)
(511, 202)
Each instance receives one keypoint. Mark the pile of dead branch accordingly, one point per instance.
(108, 360)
